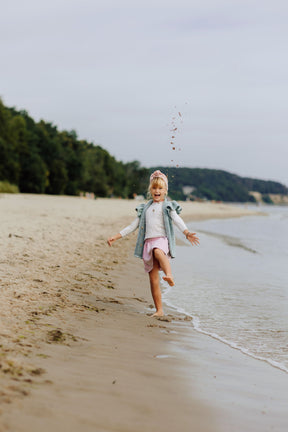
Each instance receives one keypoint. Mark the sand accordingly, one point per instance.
(80, 352)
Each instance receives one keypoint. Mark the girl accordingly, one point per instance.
(156, 241)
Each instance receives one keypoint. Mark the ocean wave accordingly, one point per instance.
(197, 327)
(229, 240)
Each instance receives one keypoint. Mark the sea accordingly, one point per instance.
(234, 285)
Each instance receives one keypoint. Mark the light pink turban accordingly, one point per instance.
(161, 175)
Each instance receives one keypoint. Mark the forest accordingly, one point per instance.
(219, 185)
(35, 157)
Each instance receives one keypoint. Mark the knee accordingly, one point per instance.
(154, 276)
(158, 253)
(154, 281)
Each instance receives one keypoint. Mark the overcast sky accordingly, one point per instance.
(120, 74)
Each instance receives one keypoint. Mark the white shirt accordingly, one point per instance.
(155, 222)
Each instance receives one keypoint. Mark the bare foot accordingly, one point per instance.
(169, 278)
(159, 313)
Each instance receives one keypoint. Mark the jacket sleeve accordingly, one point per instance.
(140, 209)
(173, 205)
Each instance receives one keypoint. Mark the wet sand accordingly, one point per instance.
(79, 350)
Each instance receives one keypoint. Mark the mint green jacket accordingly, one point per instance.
(167, 206)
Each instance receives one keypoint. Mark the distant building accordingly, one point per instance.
(187, 190)
(138, 197)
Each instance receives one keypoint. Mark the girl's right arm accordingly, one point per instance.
(127, 230)
(114, 238)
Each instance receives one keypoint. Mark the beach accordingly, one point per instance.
(79, 349)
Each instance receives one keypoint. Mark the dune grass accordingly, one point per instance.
(6, 187)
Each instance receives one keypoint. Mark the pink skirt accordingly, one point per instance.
(149, 245)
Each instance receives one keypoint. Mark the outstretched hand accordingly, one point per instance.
(193, 239)
(112, 239)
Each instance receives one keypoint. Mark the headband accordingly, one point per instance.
(159, 174)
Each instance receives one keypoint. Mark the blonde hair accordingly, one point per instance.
(156, 182)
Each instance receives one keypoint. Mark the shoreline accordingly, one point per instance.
(231, 345)
(79, 348)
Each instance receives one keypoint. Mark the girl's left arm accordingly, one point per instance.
(192, 237)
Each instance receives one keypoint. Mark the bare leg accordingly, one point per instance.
(155, 288)
(165, 265)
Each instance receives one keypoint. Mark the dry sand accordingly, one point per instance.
(78, 349)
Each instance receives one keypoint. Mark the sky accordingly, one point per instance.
(127, 74)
